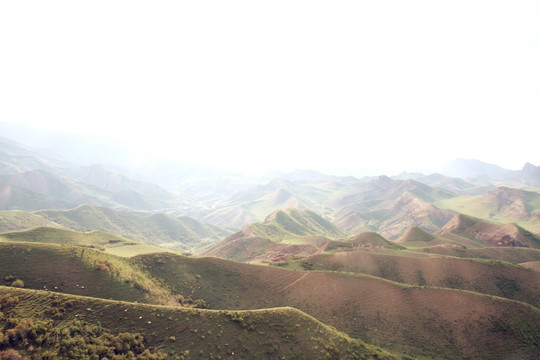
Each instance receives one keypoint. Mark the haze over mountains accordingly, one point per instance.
(417, 265)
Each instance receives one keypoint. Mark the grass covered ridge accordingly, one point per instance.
(162, 332)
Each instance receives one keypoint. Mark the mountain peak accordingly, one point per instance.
(415, 234)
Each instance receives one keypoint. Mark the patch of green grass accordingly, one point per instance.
(81, 271)
(98, 240)
(291, 224)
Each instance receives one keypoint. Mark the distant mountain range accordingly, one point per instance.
(490, 173)
(33, 180)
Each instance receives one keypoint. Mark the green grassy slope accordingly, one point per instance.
(176, 333)
(76, 271)
(366, 240)
(285, 233)
(416, 234)
(284, 225)
(106, 242)
(13, 220)
(502, 205)
(254, 204)
(158, 229)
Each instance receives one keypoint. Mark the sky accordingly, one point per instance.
(336, 86)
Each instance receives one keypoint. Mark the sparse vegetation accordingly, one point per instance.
(508, 286)
(95, 329)
(416, 267)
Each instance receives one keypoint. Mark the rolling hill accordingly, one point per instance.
(79, 271)
(98, 175)
(460, 280)
(39, 189)
(455, 185)
(16, 158)
(382, 192)
(284, 233)
(94, 239)
(451, 323)
(254, 204)
(84, 326)
(503, 205)
(474, 169)
(510, 254)
(289, 224)
(162, 230)
(87, 272)
(488, 277)
(355, 205)
(405, 212)
(13, 220)
(366, 240)
(490, 234)
(416, 235)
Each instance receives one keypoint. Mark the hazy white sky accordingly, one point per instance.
(330, 85)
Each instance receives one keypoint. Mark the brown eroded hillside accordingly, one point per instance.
(484, 276)
(419, 321)
(490, 234)
(405, 212)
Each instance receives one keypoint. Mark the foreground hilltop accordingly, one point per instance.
(86, 328)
